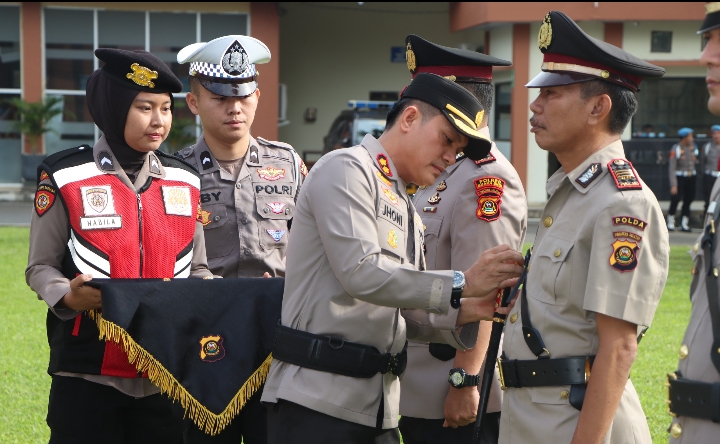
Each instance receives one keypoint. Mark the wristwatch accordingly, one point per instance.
(457, 288)
(459, 378)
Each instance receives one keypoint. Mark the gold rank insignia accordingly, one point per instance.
(142, 76)
(624, 175)
(211, 348)
(271, 173)
(390, 195)
(410, 56)
(624, 255)
(384, 163)
(383, 179)
(545, 34)
(434, 199)
(442, 186)
(392, 239)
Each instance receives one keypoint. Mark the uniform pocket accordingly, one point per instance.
(391, 240)
(273, 234)
(275, 207)
(557, 395)
(554, 262)
(216, 231)
(432, 238)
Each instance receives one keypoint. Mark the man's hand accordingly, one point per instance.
(496, 268)
(461, 406)
(673, 190)
(81, 297)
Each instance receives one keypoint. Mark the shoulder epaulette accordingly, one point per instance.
(174, 161)
(487, 159)
(283, 145)
(624, 174)
(185, 153)
(55, 158)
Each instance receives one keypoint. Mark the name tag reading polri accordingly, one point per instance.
(101, 222)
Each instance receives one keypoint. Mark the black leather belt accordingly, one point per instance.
(333, 355)
(544, 372)
(693, 398)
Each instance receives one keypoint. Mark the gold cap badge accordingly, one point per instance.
(142, 76)
(479, 118)
(410, 56)
(545, 34)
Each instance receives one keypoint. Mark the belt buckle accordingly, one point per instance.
(668, 401)
(394, 364)
(500, 372)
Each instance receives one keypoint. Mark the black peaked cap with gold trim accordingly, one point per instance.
(138, 70)
(457, 64)
(712, 17)
(458, 106)
(572, 56)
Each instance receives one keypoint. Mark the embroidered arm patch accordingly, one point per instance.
(489, 190)
(626, 247)
(44, 198)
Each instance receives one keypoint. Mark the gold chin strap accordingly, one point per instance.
(555, 66)
(711, 7)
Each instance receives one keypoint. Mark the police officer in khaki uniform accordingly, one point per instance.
(600, 258)
(471, 207)
(709, 157)
(693, 395)
(681, 165)
(248, 186)
(356, 259)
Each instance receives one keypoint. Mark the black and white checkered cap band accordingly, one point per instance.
(211, 70)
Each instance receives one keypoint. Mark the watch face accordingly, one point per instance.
(457, 378)
(458, 279)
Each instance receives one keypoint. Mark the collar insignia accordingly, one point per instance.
(142, 76)
(442, 186)
(254, 154)
(382, 160)
(105, 160)
(271, 173)
(154, 166)
(545, 34)
(590, 174)
(206, 160)
(624, 174)
(211, 348)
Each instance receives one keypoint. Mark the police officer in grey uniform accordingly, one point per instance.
(693, 395)
(600, 258)
(681, 165)
(474, 205)
(709, 157)
(248, 185)
(356, 259)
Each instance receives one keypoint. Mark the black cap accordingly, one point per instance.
(138, 70)
(712, 17)
(572, 56)
(457, 104)
(457, 64)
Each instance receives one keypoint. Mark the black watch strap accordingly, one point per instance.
(471, 380)
(455, 297)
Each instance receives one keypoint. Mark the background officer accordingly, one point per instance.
(693, 398)
(709, 157)
(355, 262)
(600, 258)
(127, 211)
(471, 207)
(681, 163)
(248, 186)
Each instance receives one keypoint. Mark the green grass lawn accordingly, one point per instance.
(24, 383)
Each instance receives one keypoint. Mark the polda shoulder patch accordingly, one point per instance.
(624, 174)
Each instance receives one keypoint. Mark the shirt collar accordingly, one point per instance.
(382, 160)
(595, 166)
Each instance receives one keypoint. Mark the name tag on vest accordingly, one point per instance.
(101, 222)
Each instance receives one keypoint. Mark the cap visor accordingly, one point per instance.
(558, 78)
(229, 89)
(478, 144)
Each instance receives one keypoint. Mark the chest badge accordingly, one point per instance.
(211, 348)
(98, 201)
(384, 163)
(271, 173)
(276, 207)
(276, 234)
(434, 199)
(590, 174)
(177, 200)
(489, 190)
(442, 186)
(390, 195)
(203, 216)
(392, 239)
(429, 209)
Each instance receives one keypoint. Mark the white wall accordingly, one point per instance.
(335, 53)
(501, 42)
(685, 40)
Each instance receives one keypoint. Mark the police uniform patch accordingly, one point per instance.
(590, 174)
(487, 159)
(382, 160)
(105, 160)
(154, 165)
(383, 179)
(44, 198)
(392, 239)
(624, 174)
(629, 220)
(276, 234)
(276, 207)
(303, 168)
(271, 173)
(429, 209)
(390, 195)
(489, 190)
(206, 160)
(434, 199)
(203, 216)
(98, 200)
(177, 200)
(254, 154)
(442, 186)
(43, 176)
(211, 348)
(624, 255)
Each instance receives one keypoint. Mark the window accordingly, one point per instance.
(503, 94)
(9, 89)
(69, 59)
(666, 105)
(661, 41)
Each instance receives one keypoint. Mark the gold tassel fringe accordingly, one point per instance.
(206, 420)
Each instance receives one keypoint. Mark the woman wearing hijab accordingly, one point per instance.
(128, 211)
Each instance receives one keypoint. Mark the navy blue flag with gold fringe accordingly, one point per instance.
(204, 342)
